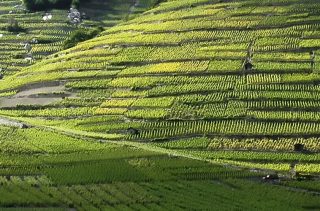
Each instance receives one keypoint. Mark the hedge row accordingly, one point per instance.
(40, 5)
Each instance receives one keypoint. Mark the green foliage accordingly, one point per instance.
(13, 26)
(169, 81)
(38, 5)
(81, 35)
(98, 172)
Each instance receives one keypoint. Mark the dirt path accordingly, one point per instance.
(14, 102)
(11, 123)
(34, 91)
(39, 94)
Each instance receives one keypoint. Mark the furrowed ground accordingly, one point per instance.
(171, 81)
(43, 170)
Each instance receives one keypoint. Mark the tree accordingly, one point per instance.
(81, 35)
(41, 5)
(13, 26)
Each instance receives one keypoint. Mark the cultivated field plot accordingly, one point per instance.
(46, 36)
(43, 170)
(34, 38)
(233, 87)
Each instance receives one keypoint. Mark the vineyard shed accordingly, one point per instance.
(133, 131)
(248, 66)
(298, 147)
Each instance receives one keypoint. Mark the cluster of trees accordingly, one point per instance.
(40, 5)
(81, 35)
(13, 26)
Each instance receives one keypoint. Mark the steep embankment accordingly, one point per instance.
(47, 36)
(176, 75)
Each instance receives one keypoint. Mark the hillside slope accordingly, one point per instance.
(47, 36)
(175, 78)
(45, 171)
(138, 118)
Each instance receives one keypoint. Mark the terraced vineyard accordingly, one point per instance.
(174, 80)
(43, 170)
(46, 36)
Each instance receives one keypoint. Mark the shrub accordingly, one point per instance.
(75, 3)
(36, 5)
(13, 26)
(81, 35)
